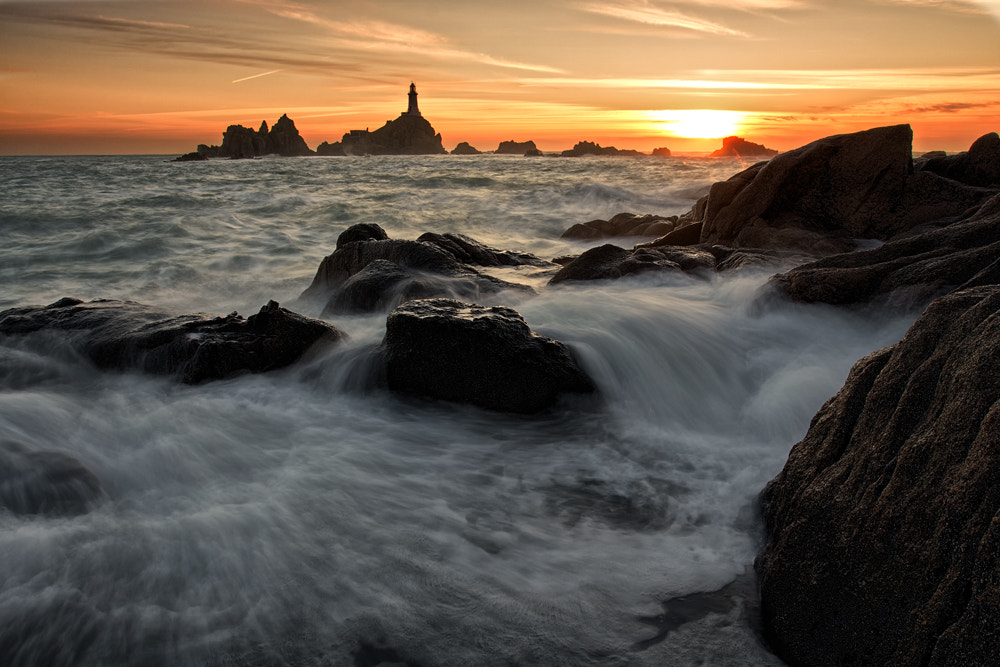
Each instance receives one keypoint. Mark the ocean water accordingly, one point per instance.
(303, 517)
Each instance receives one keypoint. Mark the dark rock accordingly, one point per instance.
(608, 262)
(684, 235)
(516, 148)
(423, 268)
(45, 482)
(335, 149)
(661, 152)
(191, 157)
(488, 357)
(407, 135)
(883, 528)
(465, 148)
(623, 224)
(284, 139)
(737, 147)
(820, 197)
(241, 143)
(590, 148)
(194, 348)
(979, 166)
(925, 265)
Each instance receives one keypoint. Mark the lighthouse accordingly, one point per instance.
(412, 109)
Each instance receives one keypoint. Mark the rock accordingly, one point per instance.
(465, 148)
(822, 196)
(516, 148)
(737, 147)
(923, 265)
(454, 351)
(623, 224)
(609, 262)
(590, 148)
(684, 235)
(425, 267)
(335, 149)
(883, 528)
(661, 152)
(979, 166)
(45, 482)
(407, 135)
(194, 348)
(191, 157)
(284, 139)
(241, 143)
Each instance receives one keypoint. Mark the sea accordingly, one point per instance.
(308, 517)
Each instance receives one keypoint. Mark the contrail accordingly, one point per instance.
(247, 78)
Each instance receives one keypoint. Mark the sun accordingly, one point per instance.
(699, 123)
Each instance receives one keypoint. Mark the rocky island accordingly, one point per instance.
(239, 142)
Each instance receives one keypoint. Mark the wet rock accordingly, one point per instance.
(923, 265)
(194, 348)
(517, 148)
(623, 224)
(682, 235)
(45, 482)
(663, 151)
(738, 147)
(583, 148)
(822, 196)
(465, 148)
(608, 262)
(191, 157)
(488, 357)
(421, 268)
(883, 528)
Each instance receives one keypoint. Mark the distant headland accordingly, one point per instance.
(411, 134)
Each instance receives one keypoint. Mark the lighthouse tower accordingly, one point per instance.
(412, 110)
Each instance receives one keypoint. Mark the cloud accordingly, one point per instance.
(962, 6)
(256, 76)
(653, 16)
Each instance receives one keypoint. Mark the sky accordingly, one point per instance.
(161, 76)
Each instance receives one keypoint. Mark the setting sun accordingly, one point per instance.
(700, 123)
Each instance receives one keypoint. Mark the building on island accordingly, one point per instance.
(412, 109)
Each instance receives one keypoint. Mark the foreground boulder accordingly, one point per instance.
(883, 528)
(368, 271)
(454, 351)
(45, 482)
(980, 165)
(821, 197)
(623, 224)
(920, 266)
(126, 335)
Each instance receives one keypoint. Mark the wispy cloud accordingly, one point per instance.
(962, 6)
(649, 15)
(256, 76)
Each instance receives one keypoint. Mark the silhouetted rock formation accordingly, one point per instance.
(623, 224)
(980, 165)
(407, 135)
(922, 265)
(590, 148)
(191, 157)
(661, 152)
(454, 351)
(465, 148)
(240, 142)
(822, 196)
(194, 348)
(737, 147)
(517, 148)
(369, 271)
(883, 528)
(45, 482)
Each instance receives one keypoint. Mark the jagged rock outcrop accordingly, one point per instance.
(489, 357)
(590, 148)
(883, 528)
(517, 148)
(663, 151)
(328, 149)
(465, 148)
(917, 267)
(369, 271)
(124, 335)
(980, 165)
(623, 224)
(45, 482)
(191, 157)
(407, 135)
(822, 196)
(239, 142)
(737, 147)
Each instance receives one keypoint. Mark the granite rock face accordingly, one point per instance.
(883, 528)
(45, 482)
(369, 271)
(124, 335)
(454, 351)
(920, 266)
(822, 196)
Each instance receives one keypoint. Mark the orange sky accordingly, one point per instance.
(161, 76)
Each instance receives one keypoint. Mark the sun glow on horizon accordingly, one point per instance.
(699, 123)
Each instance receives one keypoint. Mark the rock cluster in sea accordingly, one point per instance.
(407, 135)
(239, 142)
(738, 147)
(583, 148)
